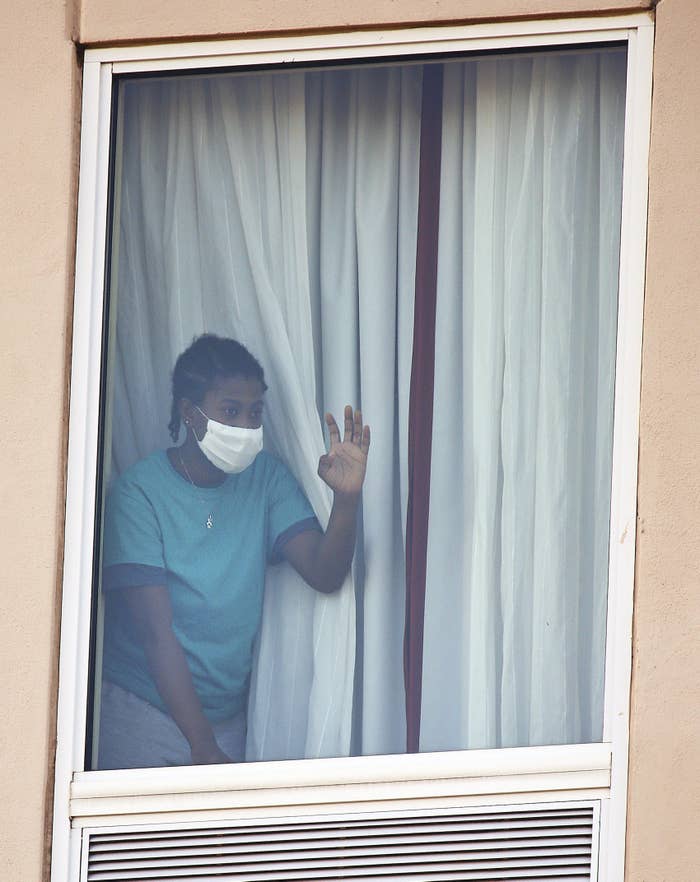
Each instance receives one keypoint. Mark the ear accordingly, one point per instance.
(187, 410)
(192, 417)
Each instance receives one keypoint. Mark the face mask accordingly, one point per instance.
(230, 448)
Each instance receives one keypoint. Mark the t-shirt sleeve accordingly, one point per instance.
(132, 552)
(289, 512)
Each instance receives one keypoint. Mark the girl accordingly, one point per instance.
(188, 534)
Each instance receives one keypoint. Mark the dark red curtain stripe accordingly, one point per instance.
(420, 412)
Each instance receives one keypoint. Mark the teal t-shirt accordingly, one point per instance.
(156, 534)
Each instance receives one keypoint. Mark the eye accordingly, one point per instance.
(231, 411)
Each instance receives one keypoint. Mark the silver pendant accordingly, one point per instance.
(210, 522)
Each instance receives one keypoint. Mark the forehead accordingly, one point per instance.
(236, 388)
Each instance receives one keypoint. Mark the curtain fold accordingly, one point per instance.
(420, 418)
(366, 137)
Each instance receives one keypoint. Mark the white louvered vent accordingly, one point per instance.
(521, 846)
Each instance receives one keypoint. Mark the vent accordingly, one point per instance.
(521, 846)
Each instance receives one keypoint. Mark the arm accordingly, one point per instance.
(323, 560)
(151, 614)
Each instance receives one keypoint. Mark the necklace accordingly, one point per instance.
(209, 523)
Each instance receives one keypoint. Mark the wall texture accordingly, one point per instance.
(664, 796)
(38, 164)
(103, 21)
(38, 168)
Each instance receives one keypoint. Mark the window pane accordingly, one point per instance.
(280, 209)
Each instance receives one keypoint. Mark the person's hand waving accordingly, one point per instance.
(343, 467)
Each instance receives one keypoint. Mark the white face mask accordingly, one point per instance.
(230, 448)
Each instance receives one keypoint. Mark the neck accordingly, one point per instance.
(197, 467)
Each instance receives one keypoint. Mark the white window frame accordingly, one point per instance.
(212, 794)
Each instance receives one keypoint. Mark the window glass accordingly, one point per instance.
(435, 245)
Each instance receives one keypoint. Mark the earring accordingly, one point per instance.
(187, 422)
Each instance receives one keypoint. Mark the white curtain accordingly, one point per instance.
(364, 137)
(525, 365)
(280, 209)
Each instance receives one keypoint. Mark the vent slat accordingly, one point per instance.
(408, 847)
(518, 845)
(515, 830)
(383, 873)
(455, 872)
(386, 875)
(473, 822)
(501, 819)
(328, 858)
(418, 842)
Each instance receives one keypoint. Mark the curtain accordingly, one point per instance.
(522, 437)
(280, 208)
(365, 139)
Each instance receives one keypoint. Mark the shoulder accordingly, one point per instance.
(269, 478)
(269, 471)
(143, 477)
(270, 465)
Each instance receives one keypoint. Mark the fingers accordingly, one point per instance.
(333, 430)
(364, 442)
(354, 432)
(357, 428)
(349, 426)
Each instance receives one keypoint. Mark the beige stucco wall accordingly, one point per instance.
(664, 795)
(38, 156)
(103, 21)
(39, 82)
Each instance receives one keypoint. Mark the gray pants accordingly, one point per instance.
(136, 735)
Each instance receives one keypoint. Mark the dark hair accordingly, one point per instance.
(209, 358)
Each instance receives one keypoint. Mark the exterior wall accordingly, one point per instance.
(38, 171)
(38, 158)
(103, 21)
(664, 794)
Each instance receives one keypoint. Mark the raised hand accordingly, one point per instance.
(343, 467)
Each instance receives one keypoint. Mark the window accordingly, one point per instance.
(338, 221)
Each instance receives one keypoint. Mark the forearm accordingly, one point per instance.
(335, 548)
(173, 679)
(151, 616)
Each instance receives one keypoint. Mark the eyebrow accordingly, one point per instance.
(239, 402)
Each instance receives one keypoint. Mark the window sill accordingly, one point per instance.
(198, 791)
